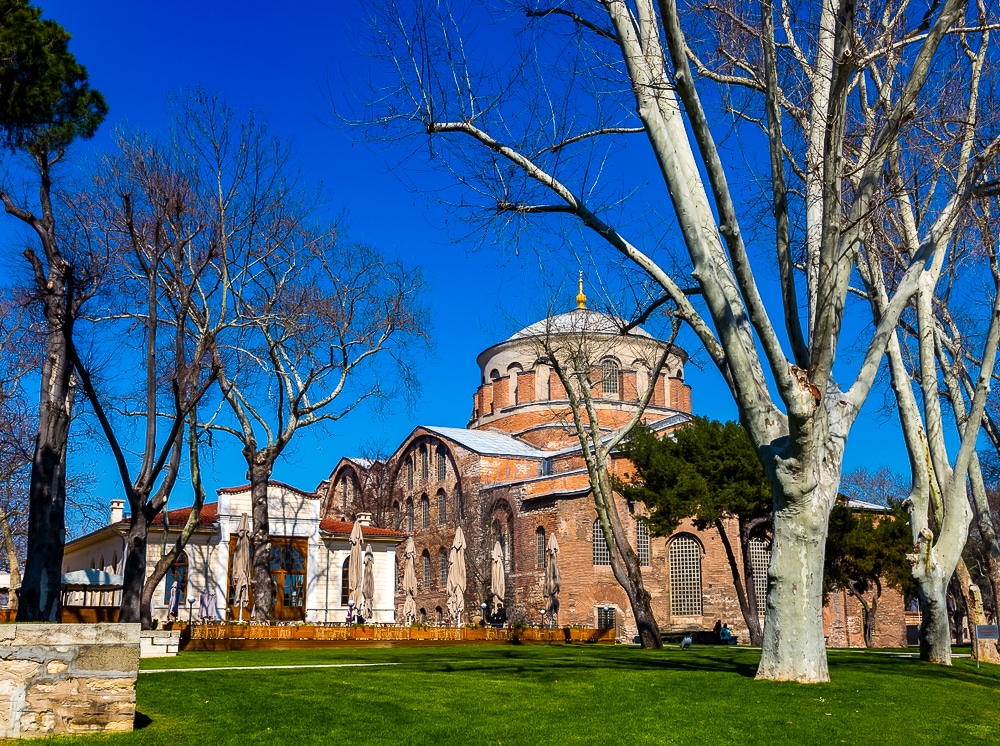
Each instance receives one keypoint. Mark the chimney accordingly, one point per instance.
(365, 519)
(117, 509)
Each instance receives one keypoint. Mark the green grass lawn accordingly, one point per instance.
(537, 695)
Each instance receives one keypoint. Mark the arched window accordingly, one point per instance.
(426, 560)
(685, 577)
(443, 571)
(425, 511)
(601, 554)
(409, 515)
(442, 500)
(409, 471)
(610, 373)
(346, 491)
(540, 547)
(345, 582)
(438, 616)
(442, 464)
(424, 465)
(176, 573)
(459, 505)
(760, 557)
(642, 541)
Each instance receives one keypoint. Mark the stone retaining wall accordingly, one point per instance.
(159, 643)
(60, 679)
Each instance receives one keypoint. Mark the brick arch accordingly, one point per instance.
(411, 449)
(500, 527)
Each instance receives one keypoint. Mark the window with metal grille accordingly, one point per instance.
(425, 512)
(685, 577)
(442, 499)
(760, 556)
(409, 515)
(409, 472)
(442, 464)
(426, 559)
(443, 573)
(424, 467)
(540, 547)
(610, 371)
(601, 554)
(642, 541)
(606, 617)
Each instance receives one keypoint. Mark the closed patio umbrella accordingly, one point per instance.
(552, 580)
(206, 605)
(173, 606)
(497, 582)
(456, 576)
(409, 582)
(355, 568)
(241, 566)
(368, 584)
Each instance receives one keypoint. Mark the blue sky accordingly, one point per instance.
(284, 64)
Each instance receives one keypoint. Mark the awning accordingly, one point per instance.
(91, 580)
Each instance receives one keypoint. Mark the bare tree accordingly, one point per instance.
(371, 487)
(319, 327)
(575, 354)
(520, 138)
(148, 214)
(46, 106)
(17, 430)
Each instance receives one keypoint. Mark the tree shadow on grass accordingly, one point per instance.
(522, 663)
(141, 721)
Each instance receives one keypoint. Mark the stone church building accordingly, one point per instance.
(515, 474)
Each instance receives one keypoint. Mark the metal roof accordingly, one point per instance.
(576, 321)
(488, 442)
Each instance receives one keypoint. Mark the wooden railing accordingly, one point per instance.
(361, 633)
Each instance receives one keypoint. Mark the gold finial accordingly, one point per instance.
(581, 299)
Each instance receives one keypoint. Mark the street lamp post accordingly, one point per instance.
(350, 612)
(483, 607)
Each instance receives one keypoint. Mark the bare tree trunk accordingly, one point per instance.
(10, 549)
(868, 612)
(749, 612)
(192, 522)
(794, 646)
(261, 467)
(134, 573)
(39, 599)
(987, 649)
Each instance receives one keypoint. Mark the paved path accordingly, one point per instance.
(264, 668)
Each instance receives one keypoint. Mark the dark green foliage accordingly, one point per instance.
(45, 99)
(864, 549)
(705, 470)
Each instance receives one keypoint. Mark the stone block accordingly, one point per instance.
(83, 681)
(108, 658)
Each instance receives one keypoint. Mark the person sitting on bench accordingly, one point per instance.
(725, 636)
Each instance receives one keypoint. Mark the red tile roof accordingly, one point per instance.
(331, 526)
(207, 518)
